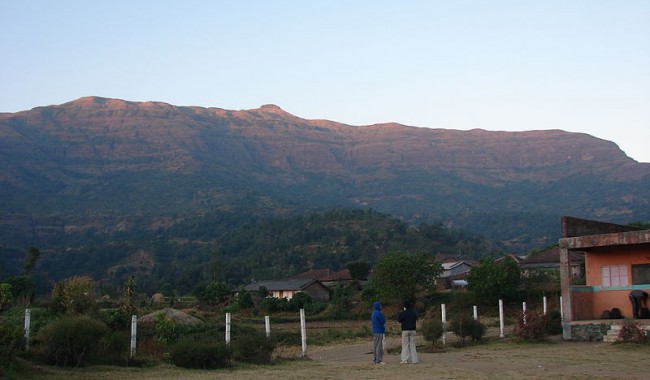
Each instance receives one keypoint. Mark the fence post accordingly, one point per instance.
(523, 312)
(475, 313)
(267, 323)
(134, 333)
(544, 304)
(561, 310)
(28, 322)
(228, 328)
(303, 332)
(443, 309)
(501, 322)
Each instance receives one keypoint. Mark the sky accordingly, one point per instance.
(574, 65)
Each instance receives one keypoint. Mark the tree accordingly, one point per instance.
(399, 275)
(22, 289)
(73, 295)
(31, 257)
(212, 293)
(491, 280)
(359, 269)
(6, 297)
(129, 299)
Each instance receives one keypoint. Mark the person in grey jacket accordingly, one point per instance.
(408, 319)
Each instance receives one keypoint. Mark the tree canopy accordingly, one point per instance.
(400, 275)
(492, 280)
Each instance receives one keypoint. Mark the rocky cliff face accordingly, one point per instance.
(114, 156)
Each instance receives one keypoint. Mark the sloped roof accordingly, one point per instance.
(323, 275)
(342, 275)
(312, 274)
(549, 256)
(273, 285)
(454, 264)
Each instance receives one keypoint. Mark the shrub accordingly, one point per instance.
(245, 299)
(465, 327)
(165, 330)
(71, 340)
(276, 304)
(300, 300)
(631, 332)
(554, 326)
(253, 347)
(431, 330)
(11, 343)
(535, 326)
(200, 353)
(116, 319)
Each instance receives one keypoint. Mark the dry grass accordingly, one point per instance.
(496, 360)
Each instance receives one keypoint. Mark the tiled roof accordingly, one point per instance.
(272, 285)
(551, 255)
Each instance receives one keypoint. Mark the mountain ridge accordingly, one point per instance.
(110, 156)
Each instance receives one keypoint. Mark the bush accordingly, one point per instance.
(300, 300)
(116, 319)
(535, 326)
(465, 327)
(276, 304)
(554, 326)
(71, 341)
(200, 353)
(431, 330)
(631, 332)
(11, 344)
(253, 347)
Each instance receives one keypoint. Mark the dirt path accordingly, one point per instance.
(507, 360)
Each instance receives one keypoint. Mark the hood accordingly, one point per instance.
(376, 305)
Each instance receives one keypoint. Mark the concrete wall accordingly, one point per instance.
(590, 301)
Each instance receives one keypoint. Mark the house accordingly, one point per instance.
(550, 260)
(617, 261)
(453, 274)
(287, 288)
(455, 270)
(327, 277)
(517, 258)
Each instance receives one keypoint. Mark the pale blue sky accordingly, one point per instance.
(575, 65)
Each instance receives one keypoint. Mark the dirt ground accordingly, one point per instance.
(353, 360)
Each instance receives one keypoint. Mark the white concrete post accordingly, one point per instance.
(303, 332)
(228, 328)
(475, 313)
(523, 312)
(267, 324)
(544, 304)
(501, 322)
(28, 322)
(443, 309)
(134, 333)
(561, 310)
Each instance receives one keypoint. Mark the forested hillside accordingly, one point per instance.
(225, 247)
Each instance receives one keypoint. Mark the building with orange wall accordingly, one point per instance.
(617, 261)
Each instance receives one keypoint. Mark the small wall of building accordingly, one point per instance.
(591, 332)
(582, 303)
(595, 260)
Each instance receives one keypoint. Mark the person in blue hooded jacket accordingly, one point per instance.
(378, 331)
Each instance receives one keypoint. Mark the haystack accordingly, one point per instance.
(176, 315)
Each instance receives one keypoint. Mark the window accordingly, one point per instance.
(640, 274)
(614, 275)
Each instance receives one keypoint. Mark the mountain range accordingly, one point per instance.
(97, 164)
